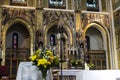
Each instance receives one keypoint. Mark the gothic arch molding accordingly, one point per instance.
(106, 38)
(5, 29)
(52, 24)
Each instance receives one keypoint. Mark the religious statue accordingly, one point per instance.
(81, 45)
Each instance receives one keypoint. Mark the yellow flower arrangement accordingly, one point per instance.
(44, 59)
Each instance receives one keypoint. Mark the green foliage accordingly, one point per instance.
(91, 66)
(76, 63)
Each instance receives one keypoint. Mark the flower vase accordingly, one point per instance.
(44, 74)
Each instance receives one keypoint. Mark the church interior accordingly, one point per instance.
(85, 30)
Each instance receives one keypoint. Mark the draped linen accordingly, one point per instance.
(27, 71)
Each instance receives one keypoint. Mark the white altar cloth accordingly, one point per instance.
(27, 71)
(99, 75)
(93, 74)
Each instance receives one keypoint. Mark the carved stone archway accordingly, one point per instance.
(52, 24)
(7, 26)
(106, 39)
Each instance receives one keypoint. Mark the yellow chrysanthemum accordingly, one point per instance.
(49, 62)
(41, 61)
(38, 51)
(48, 52)
(51, 57)
(43, 58)
(33, 57)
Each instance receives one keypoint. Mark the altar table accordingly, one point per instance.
(92, 74)
(27, 71)
(100, 75)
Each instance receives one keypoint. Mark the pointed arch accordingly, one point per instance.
(7, 26)
(68, 30)
(106, 39)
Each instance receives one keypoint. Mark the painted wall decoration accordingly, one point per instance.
(12, 13)
(50, 16)
(99, 18)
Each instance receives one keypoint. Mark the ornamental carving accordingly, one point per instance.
(50, 16)
(100, 18)
(12, 13)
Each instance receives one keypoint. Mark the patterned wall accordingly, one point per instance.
(12, 13)
(103, 19)
(50, 16)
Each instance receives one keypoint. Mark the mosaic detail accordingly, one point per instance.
(12, 13)
(99, 18)
(50, 16)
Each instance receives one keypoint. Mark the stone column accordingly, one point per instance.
(78, 22)
(39, 25)
(0, 35)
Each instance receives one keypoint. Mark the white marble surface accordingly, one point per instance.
(27, 71)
